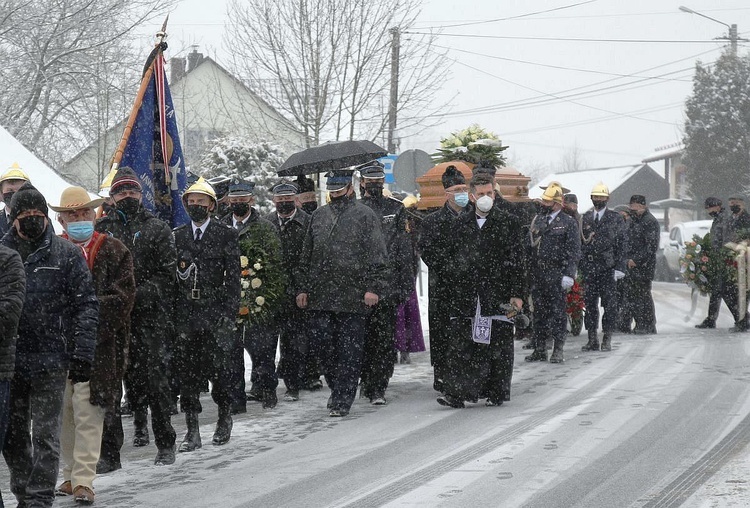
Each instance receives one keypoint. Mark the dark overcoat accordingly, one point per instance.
(643, 242)
(12, 294)
(605, 245)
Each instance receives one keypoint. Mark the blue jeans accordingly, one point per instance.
(4, 415)
(32, 447)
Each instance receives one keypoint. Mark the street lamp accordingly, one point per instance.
(732, 28)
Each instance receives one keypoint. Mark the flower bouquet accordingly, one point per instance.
(263, 285)
(575, 307)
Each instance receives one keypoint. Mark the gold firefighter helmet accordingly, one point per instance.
(553, 192)
(14, 172)
(200, 187)
(600, 190)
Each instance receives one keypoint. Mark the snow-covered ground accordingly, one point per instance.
(298, 445)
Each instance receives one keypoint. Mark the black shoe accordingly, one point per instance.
(493, 403)
(537, 356)
(270, 400)
(338, 413)
(607, 342)
(140, 422)
(557, 355)
(254, 396)
(591, 346)
(291, 396)
(378, 400)
(105, 466)
(165, 456)
(192, 440)
(706, 323)
(738, 328)
(449, 401)
(223, 429)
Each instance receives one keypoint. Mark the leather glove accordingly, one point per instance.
(79, 371)
(567, 282)
(619, 275)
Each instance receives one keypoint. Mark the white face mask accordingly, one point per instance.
(484, 204)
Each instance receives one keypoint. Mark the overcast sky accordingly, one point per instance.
(621, 120)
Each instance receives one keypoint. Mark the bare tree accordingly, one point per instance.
(67, 68)
(326, 64)
(573, 160)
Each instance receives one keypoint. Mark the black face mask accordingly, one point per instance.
(713, 214)
(375, 190)
(338, 199)
(7, 196)
(128, 206)
(240, 209)
(285, 207)
(32, 227)
(599, 204)
(310, 206)
(735, 208)
(546, 209)
(197, 213)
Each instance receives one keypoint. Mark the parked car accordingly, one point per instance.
(674, 249)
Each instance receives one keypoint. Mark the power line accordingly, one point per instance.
(495, 57)
(562, 39)
(482, 22)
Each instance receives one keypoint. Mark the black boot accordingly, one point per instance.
(539, 355)
(593, 343)
(607, 342)
(223, 427)
(192, 439)
(269, 399)
(165, 456)
(557, 353)
(140, 422)
(707, 323)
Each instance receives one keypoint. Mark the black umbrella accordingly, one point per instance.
(331, 155)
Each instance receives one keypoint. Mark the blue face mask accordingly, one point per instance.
(461, 198)
(80, 231)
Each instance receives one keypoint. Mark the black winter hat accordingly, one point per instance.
(490, 170)
(305, 184)
(570, 198)
(452, 176)
(638, 199)
(711, 202)
(125, 179)
(27, 198)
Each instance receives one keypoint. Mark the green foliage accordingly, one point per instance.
(701, 264)
(717, 129)
(474, 145)
(237, 156)
(263, 280)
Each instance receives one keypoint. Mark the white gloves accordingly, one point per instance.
(567, 282)
(619, 275)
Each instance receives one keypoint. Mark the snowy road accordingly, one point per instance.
(660, 421)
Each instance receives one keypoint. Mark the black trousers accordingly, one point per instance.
(113, 436)
(550, 320)
(380, 349)
(260, 342)
(294, 348)
(439, 325)
(727, 291)
(340, 338)
(146, 379)
(638, 305)
(476, 370)
(202, 355)
(598, 286)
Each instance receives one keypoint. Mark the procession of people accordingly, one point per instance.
(121, 305)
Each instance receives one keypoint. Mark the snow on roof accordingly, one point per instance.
(665, 152)
(581, 182)
(44, 178)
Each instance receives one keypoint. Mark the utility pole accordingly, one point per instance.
(732, 37)
(393, 105)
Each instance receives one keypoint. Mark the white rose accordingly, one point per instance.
(257, 266)
(245, 284)
(260, 300)
(256, 283)
(244, 261)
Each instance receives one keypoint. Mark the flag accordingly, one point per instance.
(152, 140)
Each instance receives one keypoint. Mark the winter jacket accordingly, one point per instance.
(343, 257)
(151, 243)
(736, 224)
(4, 223)
(60, 312)
(401, 268)
(488, 263)
(643, 242)
(114, 283)
(12, 295)
(292, 236)
(554, 249)
(605, 245)
(718, 230)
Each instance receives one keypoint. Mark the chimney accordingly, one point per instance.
(194, 58)
(176, 69)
